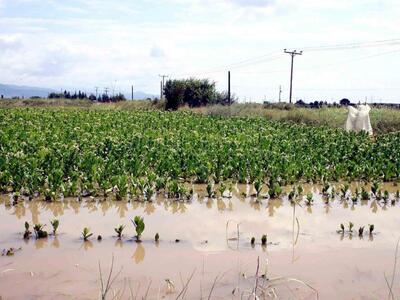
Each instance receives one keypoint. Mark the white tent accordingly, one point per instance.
(358, 119)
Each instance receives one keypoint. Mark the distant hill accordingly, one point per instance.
(10, 90)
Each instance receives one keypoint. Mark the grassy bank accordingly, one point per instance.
(383, 120)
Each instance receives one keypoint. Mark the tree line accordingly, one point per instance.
(82, 95)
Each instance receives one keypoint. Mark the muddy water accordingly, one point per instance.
(337, 266)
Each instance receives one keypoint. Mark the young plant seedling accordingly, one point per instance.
(385, 196)
(364, 194)
(139, 225)
(86, 234)
(222, 189)
(39, 232)
(264, 240)
(371, 228)
(119, 230)
(27, 232)
(333, 193)
(253, 241)
(157, 237)
(361, 231)
(210, 189)
(375, 188)
(342, 228)
(325, 188)
(55, 223)
(344, 190)
(258, 185)
(16, 196)
(351, 225)
(309, 199)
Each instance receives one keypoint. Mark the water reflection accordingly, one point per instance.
(139, 254)
(93, 205)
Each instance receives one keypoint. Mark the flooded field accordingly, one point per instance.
(198, 255)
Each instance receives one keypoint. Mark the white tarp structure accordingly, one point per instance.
(358, 119)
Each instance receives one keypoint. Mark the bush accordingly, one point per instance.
(193, 93)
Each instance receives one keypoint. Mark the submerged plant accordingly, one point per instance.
(86, 234)
(157, 237)
(385, 196)
(371, 228)
(364, 194)
(119, 230)
(27, 232)
(139, 225)
(344, 190)
(342, 228)
(258, 185)
(39, 232)
(309, 199)
(55, 223)
(222, 189)
(361, 231)
(325, 188)
(292, 194)
(264, 240)
(253, 241)
(351, 225)
(210, 189)
(274, 188)
(375, 188)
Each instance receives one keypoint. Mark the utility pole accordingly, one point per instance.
(161, 90)
(106, 90)
(280, 93)
(292, 54)
(162, 85)
(229, 87)
(132, 92)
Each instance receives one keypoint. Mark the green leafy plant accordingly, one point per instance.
(258, 185)
(375, 188)
(222, 188)
(139, 225)
(385, 196)
(86, 234)
(55, 223)
(119, 229)
(344, 190)
(210, 189)
(39, 232)
(364, 194)
(309, 199)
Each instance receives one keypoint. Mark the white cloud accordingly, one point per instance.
(128, 43)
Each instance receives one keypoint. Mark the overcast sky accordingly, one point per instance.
(88, 43)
